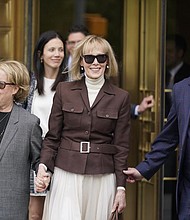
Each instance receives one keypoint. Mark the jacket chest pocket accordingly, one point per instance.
(72, 115)
(106, 120)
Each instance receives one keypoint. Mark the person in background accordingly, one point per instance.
(87, 145)
(146, 103)
(20, 141)
(77, 33)
(48, 63)
(176, 68)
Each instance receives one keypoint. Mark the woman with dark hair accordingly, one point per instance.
(48, 62)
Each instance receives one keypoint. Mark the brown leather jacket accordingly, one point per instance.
(104, 128)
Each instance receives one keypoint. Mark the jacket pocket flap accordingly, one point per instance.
(69, 107)
(107, 114)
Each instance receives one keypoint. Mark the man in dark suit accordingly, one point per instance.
(176, 68)
(176, 132)
(75, 34)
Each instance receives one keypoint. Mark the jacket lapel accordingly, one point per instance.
(10, 131)
(81, 87)
(186, 103)
(106, 89)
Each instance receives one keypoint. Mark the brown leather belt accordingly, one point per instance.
(87, 147)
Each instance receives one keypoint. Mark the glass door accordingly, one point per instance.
(143, 64)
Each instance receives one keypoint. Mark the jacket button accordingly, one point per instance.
(86, 132)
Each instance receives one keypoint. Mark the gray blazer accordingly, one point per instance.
(19, 148)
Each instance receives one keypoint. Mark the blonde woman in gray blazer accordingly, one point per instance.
(20, 142)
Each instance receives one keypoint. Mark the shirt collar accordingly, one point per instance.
(175, 69)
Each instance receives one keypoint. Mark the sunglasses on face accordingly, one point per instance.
(101, 58)
(4, 84)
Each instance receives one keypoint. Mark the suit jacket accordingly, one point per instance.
(181, 74)
(105, 125)
(173, 134)
(19, 148)
(133, 115)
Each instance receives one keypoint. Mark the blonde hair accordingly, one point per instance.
(85, 47)
(17, 73)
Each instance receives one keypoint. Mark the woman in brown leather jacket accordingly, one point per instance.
(87, 145)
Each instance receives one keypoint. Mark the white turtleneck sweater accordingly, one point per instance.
(93, 87)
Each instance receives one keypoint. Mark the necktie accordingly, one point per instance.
(170, 82)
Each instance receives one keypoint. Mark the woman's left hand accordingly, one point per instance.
(43, 179)
(120, 201)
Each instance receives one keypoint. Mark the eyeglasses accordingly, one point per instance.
(3, 84)
(72, 43)
(101, 58)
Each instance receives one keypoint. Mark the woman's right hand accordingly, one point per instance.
(133, 175)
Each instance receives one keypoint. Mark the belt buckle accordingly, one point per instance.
(87, 148)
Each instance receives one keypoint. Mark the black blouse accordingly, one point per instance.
(4, 118)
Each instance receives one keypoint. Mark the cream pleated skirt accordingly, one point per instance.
(79, 197)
